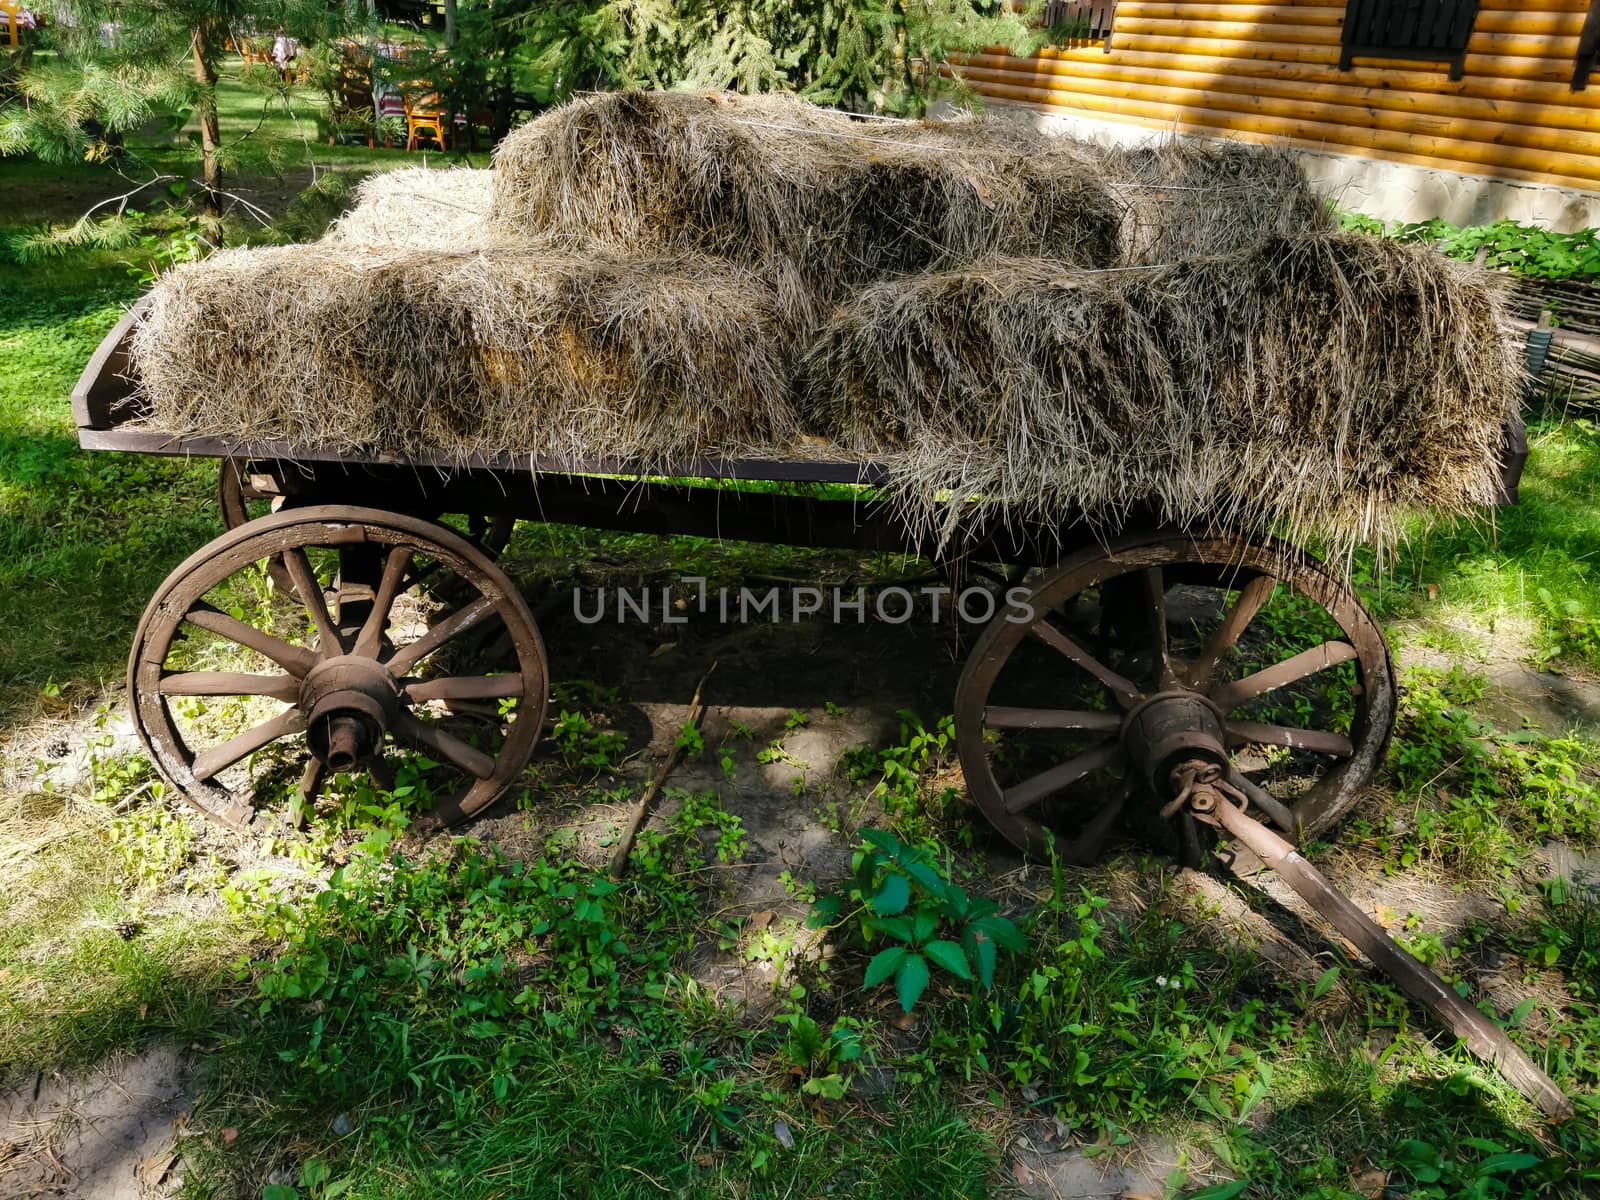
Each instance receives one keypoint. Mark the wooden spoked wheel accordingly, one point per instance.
(1264, 637)
(399, 643)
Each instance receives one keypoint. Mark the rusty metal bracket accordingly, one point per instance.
(1210, 798)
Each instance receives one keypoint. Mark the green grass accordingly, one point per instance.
(1535, 565)
(84, 538)
(458, 1023)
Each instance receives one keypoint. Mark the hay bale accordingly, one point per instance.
(419, 208)
(653, 268)
(1188, 197)
(1323, 386)
(518, 351)
(818, 202)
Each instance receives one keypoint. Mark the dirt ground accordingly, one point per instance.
(108, 1134)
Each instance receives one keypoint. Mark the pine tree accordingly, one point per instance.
(118, 63)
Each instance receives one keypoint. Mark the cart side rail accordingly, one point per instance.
(104, 384)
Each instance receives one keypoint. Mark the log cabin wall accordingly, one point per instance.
(1521, 110)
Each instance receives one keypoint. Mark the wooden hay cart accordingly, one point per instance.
(1158, 680)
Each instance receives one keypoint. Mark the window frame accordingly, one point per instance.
(1380, 29)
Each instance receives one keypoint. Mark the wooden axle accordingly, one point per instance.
(1211, 800)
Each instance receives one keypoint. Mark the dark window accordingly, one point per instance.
(1080, 21)
(1431, 30)
(1588, 48)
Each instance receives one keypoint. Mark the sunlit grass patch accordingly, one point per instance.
(102, 948)
(1524, 582)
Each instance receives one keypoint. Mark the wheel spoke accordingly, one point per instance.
(1063, 775)
(309, 590)
(446, 745)
(370, 639)
(297, 660)
(1250, 599)
(306, 791)
(464, 687)
(458, 622)
(1155, 600)
(1245, 732)
(230, 683)
(220, 758)
(1120, 686)
(999, 717)
(1308, 662)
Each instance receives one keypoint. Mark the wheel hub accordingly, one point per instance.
(349, 702)
(1168, 728)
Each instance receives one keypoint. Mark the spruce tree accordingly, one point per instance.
(877, 55)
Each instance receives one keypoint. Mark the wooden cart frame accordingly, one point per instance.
(371, 510)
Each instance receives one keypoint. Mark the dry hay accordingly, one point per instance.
(419, 208)
(1187, 198)
(420, 354)
(1318, 385)
(655, 265)
(818, 202)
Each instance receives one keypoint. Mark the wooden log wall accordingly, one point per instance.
(1270, 72)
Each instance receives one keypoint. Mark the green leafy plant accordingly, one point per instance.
(1474, 790)
(582, 744)
(699, 817)
(1448, 1172)
(798, 889)
(462, 962)
(1523, 249)
(316, 1182)
(823, 1060)
(774, 752)
(153, 842)
(901, 770)
(689, 739)
(899, 896)
(1571, 628)
(158, 250)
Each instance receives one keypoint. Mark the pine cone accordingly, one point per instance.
(128, 930)
(671, 1064)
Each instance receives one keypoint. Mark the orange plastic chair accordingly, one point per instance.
(425, 120)
(255, 49)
